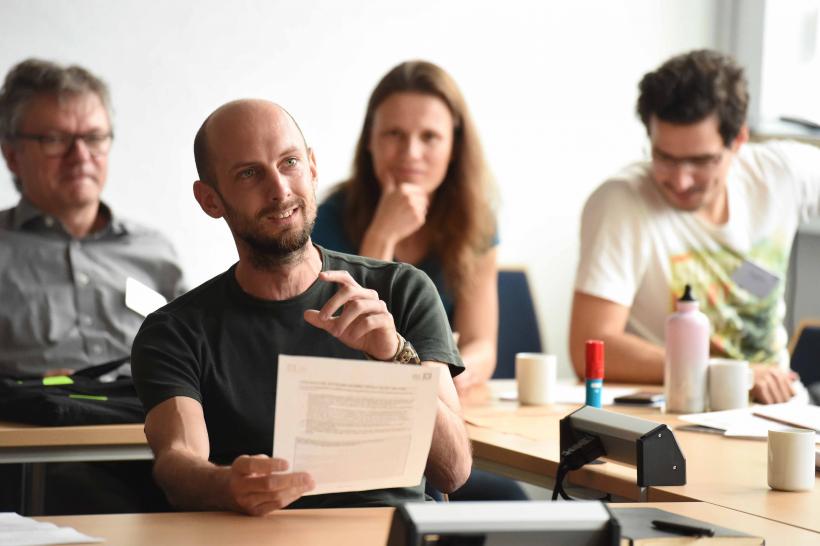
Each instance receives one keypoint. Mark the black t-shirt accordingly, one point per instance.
(220, 346)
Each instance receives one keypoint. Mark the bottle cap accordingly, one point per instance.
(594, 359)
(687, 294)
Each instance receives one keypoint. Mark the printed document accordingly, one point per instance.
(354, 425)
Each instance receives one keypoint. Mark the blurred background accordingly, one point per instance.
(552, 86)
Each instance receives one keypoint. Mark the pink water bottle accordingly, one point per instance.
(687, 355)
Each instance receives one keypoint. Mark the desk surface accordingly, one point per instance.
(519, 441)
(726, 472)
(34, 444)
(342, 527)
(19, 435)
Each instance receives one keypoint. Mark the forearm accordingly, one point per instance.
(628, 359)
(192, 483)
(450, 458)
(476, 321)
(376, 245)
(479, 357)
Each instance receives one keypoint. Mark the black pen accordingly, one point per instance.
(681, 529)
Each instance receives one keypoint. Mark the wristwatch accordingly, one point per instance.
(405, 354)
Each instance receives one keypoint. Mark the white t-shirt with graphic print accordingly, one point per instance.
(640, 252)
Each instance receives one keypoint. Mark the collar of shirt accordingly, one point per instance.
(27, 217)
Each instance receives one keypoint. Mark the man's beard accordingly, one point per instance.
(268, 252)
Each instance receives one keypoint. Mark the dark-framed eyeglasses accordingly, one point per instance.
(58, 144)
(700, 164)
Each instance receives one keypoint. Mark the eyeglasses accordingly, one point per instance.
(700, 164)
(58, 144)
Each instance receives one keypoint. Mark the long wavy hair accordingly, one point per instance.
(460, 220)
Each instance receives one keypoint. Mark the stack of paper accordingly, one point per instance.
(15, 529)
(791, 414)
(757, 421)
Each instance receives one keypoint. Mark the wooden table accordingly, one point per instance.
(34, 444)
(523, 443)
(345, 526)
(520, 442)
(31, 446)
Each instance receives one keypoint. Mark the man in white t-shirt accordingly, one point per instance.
(708, 210)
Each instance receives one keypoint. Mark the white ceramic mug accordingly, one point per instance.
(729, 383)
(791, 459)
(536, 376)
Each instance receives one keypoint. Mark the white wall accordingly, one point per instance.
(552, 86)
(791, 60)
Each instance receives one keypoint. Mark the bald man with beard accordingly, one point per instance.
(205, 365)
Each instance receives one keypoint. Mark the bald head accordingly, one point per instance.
(236, 121)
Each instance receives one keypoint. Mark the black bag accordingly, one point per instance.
(79, 399)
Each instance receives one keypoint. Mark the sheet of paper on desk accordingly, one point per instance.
(571, 393)
(805, 416)
(737, 423)
(354, 425)
(15, 529)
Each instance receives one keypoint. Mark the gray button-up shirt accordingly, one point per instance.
(62, 300)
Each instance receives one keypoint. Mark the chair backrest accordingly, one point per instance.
(518, 330)
(805, 351)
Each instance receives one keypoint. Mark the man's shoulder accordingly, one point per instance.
(352, 262)
(196, 303)
(782, 146)
(631, 178)
(631, 186)
(369, 271)
(776, 156)
(136, 229)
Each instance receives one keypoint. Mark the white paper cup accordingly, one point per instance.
(791, 459)
(536, 376)
(729, 384)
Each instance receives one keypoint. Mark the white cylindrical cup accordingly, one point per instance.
(536, 376)
(729, 384)
(791, 459)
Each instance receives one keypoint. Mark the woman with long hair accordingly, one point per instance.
(421, 193)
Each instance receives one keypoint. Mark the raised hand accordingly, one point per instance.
(364, 324)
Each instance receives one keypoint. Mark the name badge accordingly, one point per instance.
(142, 299)
(755, 279)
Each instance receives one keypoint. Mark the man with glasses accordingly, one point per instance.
(707, 209)
(65, 261)
(66, 257)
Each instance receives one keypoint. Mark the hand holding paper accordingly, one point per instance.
(260, 485)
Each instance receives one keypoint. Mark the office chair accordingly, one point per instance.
(518, 330)
(804, 349)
